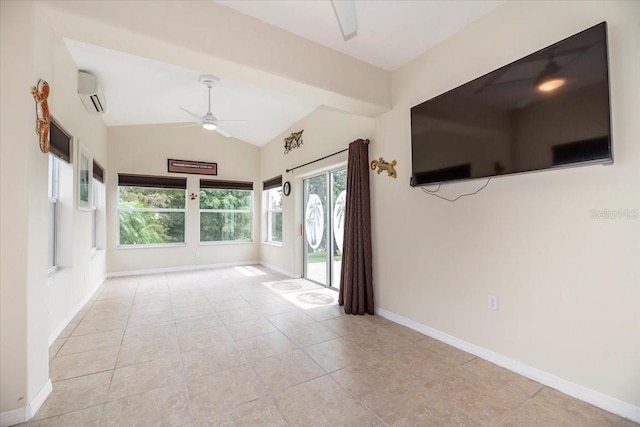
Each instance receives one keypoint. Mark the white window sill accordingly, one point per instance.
(96, 251)
(227, 242)
(153, 246)
(269, 243)
(57, 273)
(52, 271)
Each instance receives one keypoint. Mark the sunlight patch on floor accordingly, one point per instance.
(303, 293)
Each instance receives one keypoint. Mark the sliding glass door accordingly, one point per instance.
(324, 209)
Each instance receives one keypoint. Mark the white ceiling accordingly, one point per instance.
(391, 33)
(144, 91)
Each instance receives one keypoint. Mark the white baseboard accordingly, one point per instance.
(13, 417)
(608, 403)
(20, 415)
(58, 330)
(279, 270)
(181, 268)
(37, 401)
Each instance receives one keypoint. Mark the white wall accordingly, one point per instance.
(31, 309)
(145, 150)
(80, 271)
(568, 285)
(23, 196)
(325, 132)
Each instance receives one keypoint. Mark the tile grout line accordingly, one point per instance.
(113, 371)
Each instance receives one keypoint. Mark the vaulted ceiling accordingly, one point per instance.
(277, 60)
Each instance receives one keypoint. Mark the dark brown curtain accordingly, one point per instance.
(356, 277)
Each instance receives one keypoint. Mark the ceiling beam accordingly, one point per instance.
(211, 38)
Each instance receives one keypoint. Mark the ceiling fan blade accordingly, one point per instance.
(346, 13)
(193, 114)
(222, 131)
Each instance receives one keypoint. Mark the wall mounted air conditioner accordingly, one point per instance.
(91, 93)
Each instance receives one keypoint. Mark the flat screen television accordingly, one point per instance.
(548, 110)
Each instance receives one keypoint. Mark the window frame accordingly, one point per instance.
(98, 179)
(52, 190)
(94, 217)
(267, 186)
(226, 185)
(270, 216)
(143, 181)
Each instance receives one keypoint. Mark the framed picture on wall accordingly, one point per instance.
(85, 175)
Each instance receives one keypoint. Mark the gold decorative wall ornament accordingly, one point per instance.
(381, 165)
(293, 141)
(40, 93)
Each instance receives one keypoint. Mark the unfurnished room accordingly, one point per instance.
(319, 213)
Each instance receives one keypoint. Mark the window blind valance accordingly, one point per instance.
(225, 185)
(272, 183)
(129, 180)
(60, 142)
(98, 171)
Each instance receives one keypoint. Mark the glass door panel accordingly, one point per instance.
(338, 208)
(315, 229)
(324, 226)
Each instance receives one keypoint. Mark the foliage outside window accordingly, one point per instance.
(225, 214)
(274, 215)
(53, 213)
(151, 215)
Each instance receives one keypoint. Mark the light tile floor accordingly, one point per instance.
(224, 347)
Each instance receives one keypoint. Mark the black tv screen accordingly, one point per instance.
(547, 110)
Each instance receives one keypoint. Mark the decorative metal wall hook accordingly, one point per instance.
(381, 165)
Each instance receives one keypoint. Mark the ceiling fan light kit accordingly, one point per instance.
(550, 85)
(209, 121)
(547, 81)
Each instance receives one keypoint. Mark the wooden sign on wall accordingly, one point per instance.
(188, 166)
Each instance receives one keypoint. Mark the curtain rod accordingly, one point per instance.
(364, 141)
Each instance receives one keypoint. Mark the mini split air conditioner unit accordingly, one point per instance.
(91, 93)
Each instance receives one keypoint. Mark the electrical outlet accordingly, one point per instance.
(493, 302)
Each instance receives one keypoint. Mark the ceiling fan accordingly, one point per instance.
(346, 13)
(209, 121)
(550, 76)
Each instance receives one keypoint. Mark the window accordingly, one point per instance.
(151, 209)
(94, 216)
(273, 199)
(98, 180)
(274, 215)
(60, 151)
(53, 213)
(225, 211)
